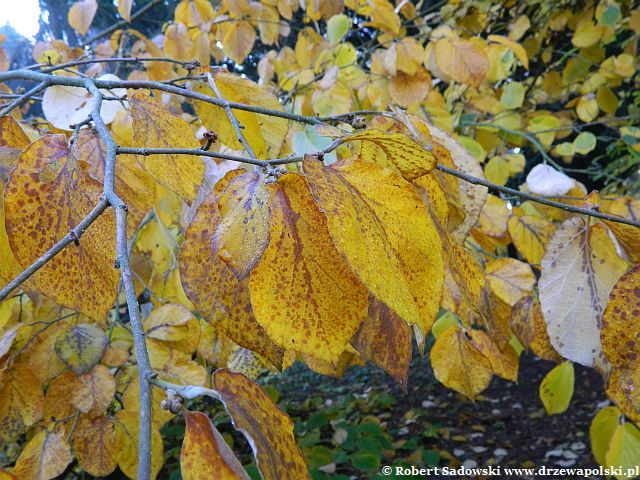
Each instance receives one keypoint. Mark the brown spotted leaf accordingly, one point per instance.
(154, 126)
(579, 270)
(510, 279)
(21, 401)
(383, 230)
(243, 232)
(94, 444)
(205, 454)
(48, 194)
(385, 339)
(214, 289)
(627, 235)
(95, 390)
(268, 429)
(45, 456)
(81, 346)
(302, 292)
(529, 327)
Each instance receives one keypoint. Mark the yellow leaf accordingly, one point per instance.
(517, 49)
(628, 236)
(57, 401)
(174, 326)
(94, 445)
(204, 452)
(131, 398)
(45, 456)
(194, 12)
(384, 17)
(81, 346)
(504, 363)
(528, 325)
(587, 34)
(238, 41)
(95, 390)
(409, 55)
(177, 43)
(461, 60)
(324, 303)
(214, 289)
(579, 270)
(124, 9)
(154, 126)
(510, 279)
(21, 401)
(265, 134)
(81, 15)
(373, 213)
(602, 428)
(492, 224)
(268, 429)
(49, 184)
(622, 389)
(385, 339)
(409, 90)
(587, 108)
(530, 235)
(458, 364)
(242, 360)
(126, 425)
(395, 151)
(243, 232)
(556, 388)
(175, 366)
(624, 450)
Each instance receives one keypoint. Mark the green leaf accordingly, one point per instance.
(337, 28)
(512, 95)
(585, 142)
(556, 388)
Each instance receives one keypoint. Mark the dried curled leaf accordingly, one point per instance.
(268, 430)
(47, 186)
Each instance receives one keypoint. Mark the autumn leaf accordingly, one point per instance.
(504, 362)
(59, 188)
(268, 430)
(174, 326)
(81, 346)
(627, 235)
(45, 456)
(529, 327)
(81, 15)
(579, 270)
(243, 231)
(204, 452)
(461, 60)
(458, 364)
(320, 302)
(95, 391)
(214, 289)
(556, 388)
(530, 235)
(154, 126)
(385, 339)
(510, 279)
(238, 41)
(94, 444)
(394, 151)
(372, 213)
(126, 427)
(21, 401)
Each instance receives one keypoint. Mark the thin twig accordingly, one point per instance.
(188, 392)
(232, 118)
(190, 151)
(70, 237)
(24, 98)
(77, 63)
(535, 198)
(123, 23)
(122, 260)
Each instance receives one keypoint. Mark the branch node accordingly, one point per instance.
(75, 238)
(116, 264)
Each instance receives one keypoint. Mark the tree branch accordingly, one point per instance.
(537, 199)
(24, 98)
(122, 260)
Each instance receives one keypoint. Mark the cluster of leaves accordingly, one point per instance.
(343, 244)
